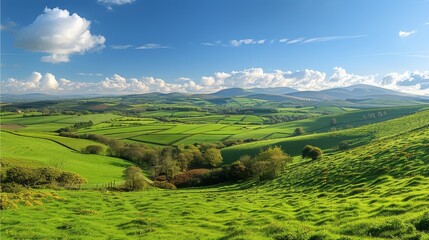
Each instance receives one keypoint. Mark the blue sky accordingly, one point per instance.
(213, 44)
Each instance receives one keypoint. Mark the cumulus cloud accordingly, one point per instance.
(407, 81)
(341, 78)
(58, 34)
(151, 46)
(307, 79)
(404, 34)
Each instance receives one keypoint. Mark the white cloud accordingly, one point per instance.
(151, 46)
(90, 74)
(297, 40)
(411, 82)
(307, 79)
(59, 34)
(9, 25)
(250, 41)
(183, 79)
(110, 3)
(340, 78)
(404, 34)
(331, 38)
(247, 41)
(121, 47)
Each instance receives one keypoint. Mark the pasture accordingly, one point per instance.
(376, 191)
(42, 151)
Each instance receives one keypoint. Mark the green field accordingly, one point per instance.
(330, 140)
(28, 149)
(376, 191)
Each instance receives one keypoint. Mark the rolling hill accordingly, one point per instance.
(375, 191)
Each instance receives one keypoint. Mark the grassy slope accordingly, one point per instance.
(356, 136)
(379, 190)
(323, 123)
(95, 168)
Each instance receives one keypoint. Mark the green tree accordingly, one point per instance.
(298, 131)
(134, 179)
(312, 152)
(213, 157)
(197, 156)
(238, 170)
(166, 166)
(270, 163)
(184, 158)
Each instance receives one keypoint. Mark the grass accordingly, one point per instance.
(379, 189)
(330, 140)
(376, 191)
(25, 149)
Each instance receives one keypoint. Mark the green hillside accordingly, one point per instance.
(28, 150)
(330, 140)
(376, 191)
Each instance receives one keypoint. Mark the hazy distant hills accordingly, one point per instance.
(239, 92)
(353, 93)
(29, 97)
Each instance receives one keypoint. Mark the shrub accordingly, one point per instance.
(22, 175)
(238, 171)
(69, 179)
(190, 177)
(42, 176)
(93, 149)
(164, 185)
(134, 179)
(311, 152)
(12, 187)
(298, 131)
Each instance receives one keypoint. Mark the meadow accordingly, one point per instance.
(23, 150)
(376, 191)
(377, 188)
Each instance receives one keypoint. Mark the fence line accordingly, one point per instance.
(99, 186)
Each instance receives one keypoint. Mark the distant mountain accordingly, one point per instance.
(232, 92)
(314, 95)
(275, 90)
(29, 97)
(356, 92)
(273, 97)
(237, 92)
